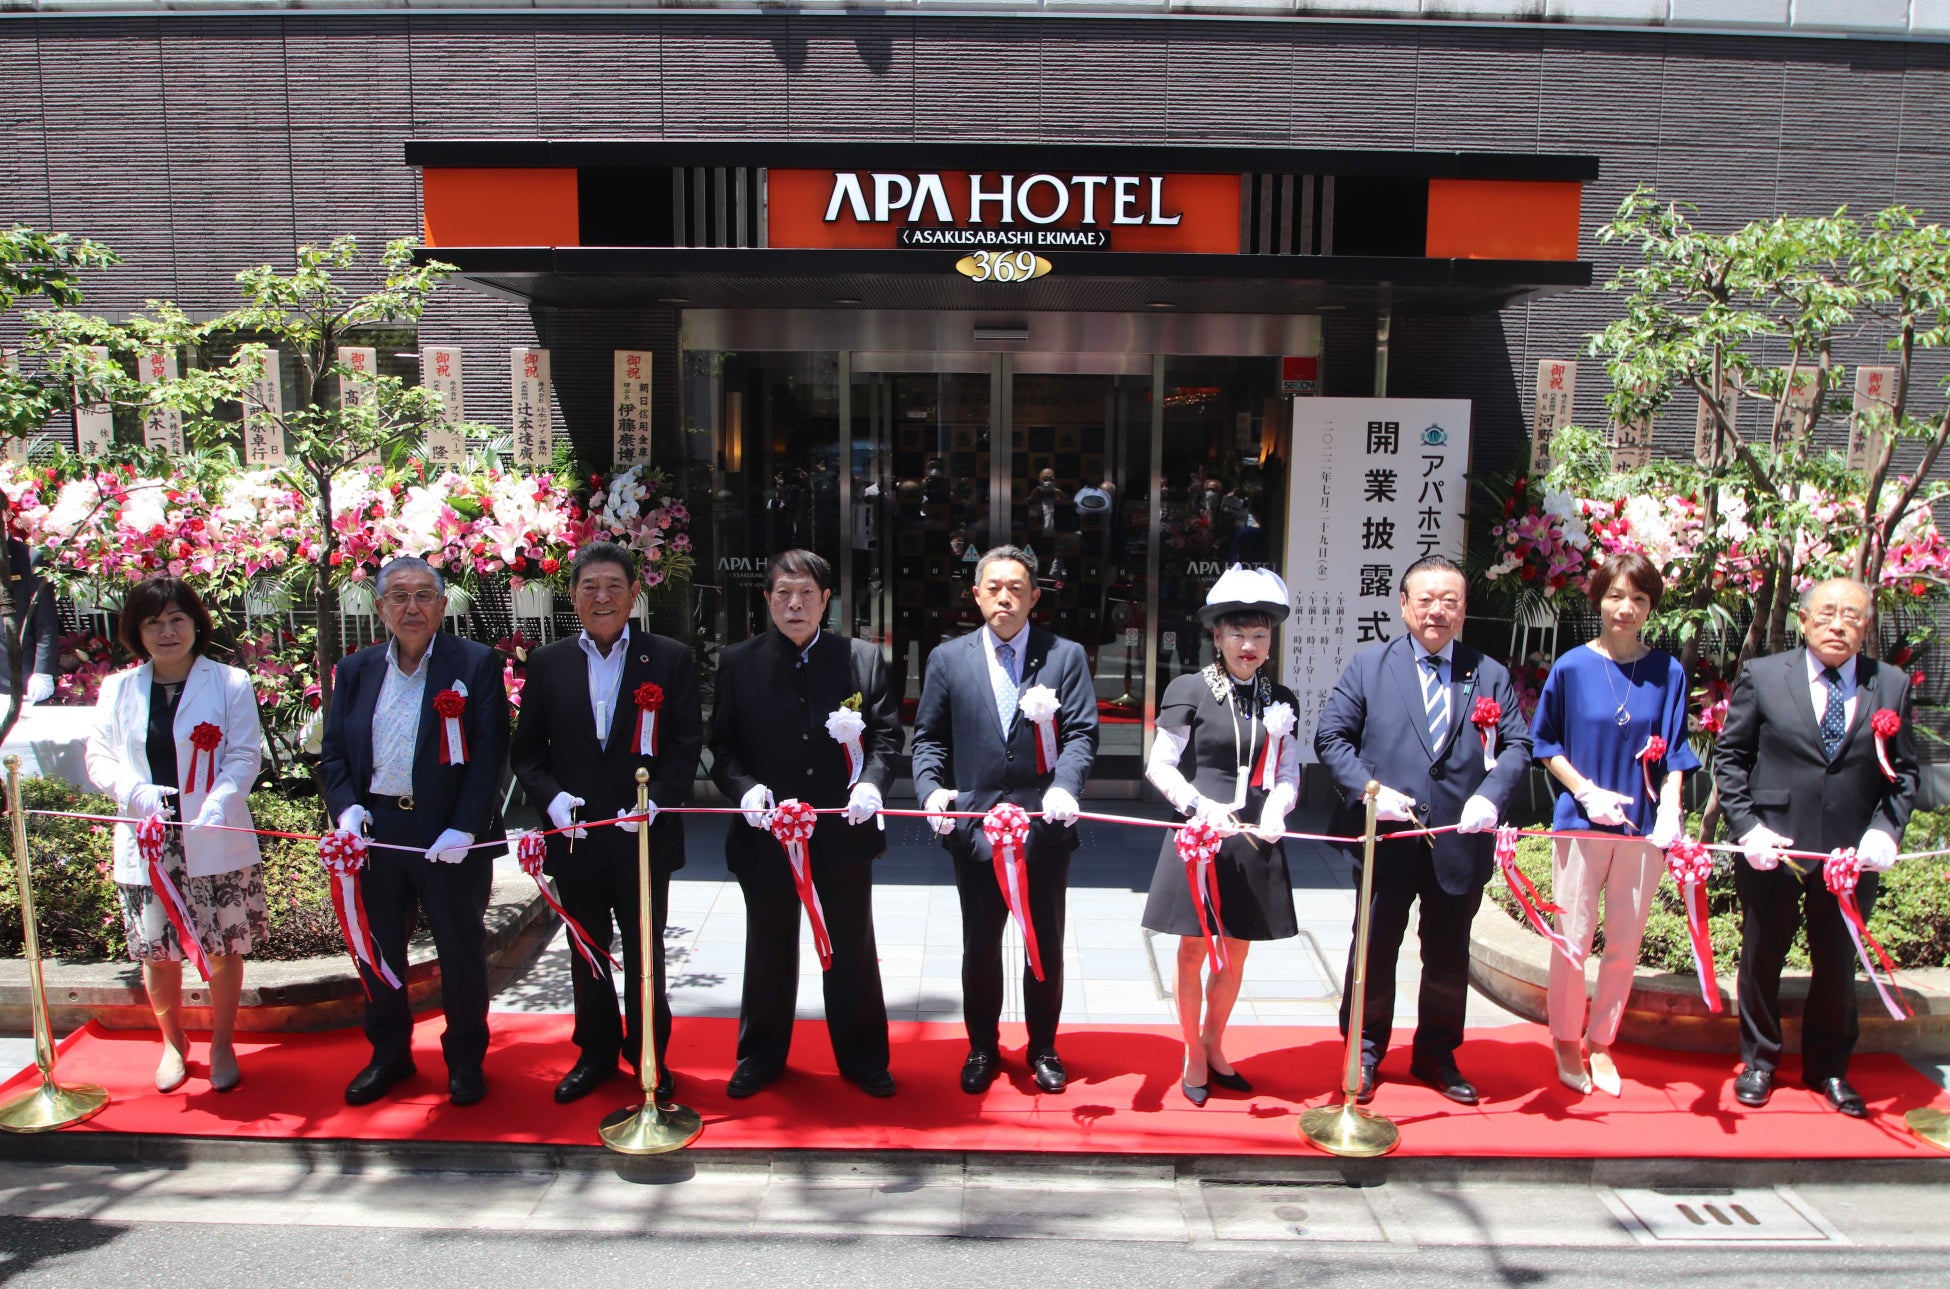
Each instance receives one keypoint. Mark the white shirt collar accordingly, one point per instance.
(594, 650)
(1447, 653)
(991, 642)
(392, 658)
(1848, 671)
(806, 653)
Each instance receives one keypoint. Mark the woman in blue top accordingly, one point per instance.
(1601, 707)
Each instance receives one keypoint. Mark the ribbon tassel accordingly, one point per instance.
(1198, 846)
(1530, 900)
(1690, 865)
(344, 854)
(793, 823)
(531, 852)
(149, 844)
(1842, 872)
(1007, 828)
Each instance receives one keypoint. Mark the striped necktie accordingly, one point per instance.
(1435, 698)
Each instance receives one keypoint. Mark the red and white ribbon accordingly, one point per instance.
(1279, 721)
(1198, 846)
(1039, 706)
(205, 739)
(149, 844)
(792, 824)
(450, 705)
(1690, 865)
(1842, 871)
(649, 701)
(1887, 723)
(531, 852)
(846, 726)
(343, 854)
(1486, 716)
(1530, 899)
(1650, 755)
(1007, 828)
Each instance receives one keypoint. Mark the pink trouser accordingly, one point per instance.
(1627, 870)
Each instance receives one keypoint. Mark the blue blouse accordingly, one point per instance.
(1577, 718)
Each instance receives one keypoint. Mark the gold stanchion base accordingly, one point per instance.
(52, 1106)
(1349, 1131)
(651, 1129)
(1932, 1126)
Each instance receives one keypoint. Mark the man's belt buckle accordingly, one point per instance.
(406, 802)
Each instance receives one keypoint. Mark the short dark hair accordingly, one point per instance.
(997, 554)
(1244, 618)
(602, 553)
(799, 563)
(1430, 564)
(150, 599)
(1635, 568)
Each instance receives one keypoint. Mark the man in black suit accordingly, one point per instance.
(769, 732)
(387, 763)
(577, 747)
(974, 749)
(1797, 770)
(1400, 714)
(32, 623)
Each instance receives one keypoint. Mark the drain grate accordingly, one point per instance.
(1722, 1215)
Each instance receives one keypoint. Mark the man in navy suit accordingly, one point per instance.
(387, 765)
(974, 749)
(1400, 715)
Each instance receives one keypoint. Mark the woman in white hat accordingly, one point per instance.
(1226, 751)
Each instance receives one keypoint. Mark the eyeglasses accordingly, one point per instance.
(419, 599)
(1829, 613)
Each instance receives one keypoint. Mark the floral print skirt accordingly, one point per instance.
(227, 910)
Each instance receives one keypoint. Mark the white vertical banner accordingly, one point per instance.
(534, 422)
(632, 403)
(1800, 387)
(1706, 429)
(264, 414)
(16, 445)
(1377, 484)
(162, 427)
(1631, 444)
(1557, 387)
(1875, 397)
(440, 372)
(94, 423)
(362, 364)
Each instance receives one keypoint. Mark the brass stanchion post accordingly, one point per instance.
(51, 1105)
(1347, 1129)
(1932, 1126)
(648, 1129)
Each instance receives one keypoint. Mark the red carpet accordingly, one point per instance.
(1123, 1097)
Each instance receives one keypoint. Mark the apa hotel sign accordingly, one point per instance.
(1003, 210)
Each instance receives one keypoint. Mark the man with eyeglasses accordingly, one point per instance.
(1798, 770)
(390, 767)
(594, 710)
(1401, 714)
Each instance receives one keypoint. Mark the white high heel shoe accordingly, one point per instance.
(1570, 1068)
(1604, 1072)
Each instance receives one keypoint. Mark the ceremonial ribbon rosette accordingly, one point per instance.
(1690, 865)
(1198, 847)
(793, 823)
(1530, 899)
(450, 705)
(649, 701)
(205, 739)
(1887, 723)
(1486, 716)
(531, 852)
(846, 725)
(1039, 707)
(1279, 720)
(343, 854)
(149, 844)
(1842, 871)
(1650, 755)
(1007, 828)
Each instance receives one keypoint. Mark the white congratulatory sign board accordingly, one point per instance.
(1377, 484)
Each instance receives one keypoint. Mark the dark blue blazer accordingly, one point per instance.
(1374, 726)
(465, 797)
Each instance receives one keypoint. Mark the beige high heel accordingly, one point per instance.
(1570, 1067)
(172, 1069)
(1604, 1072)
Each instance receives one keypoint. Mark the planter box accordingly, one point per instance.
(533, 600)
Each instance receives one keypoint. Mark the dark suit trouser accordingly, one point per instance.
(1771, 906)
(984, 914)
(856, 1010)
(597, 895)
(1405, 872)
(455, 898)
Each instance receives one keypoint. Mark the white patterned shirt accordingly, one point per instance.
(605, 679)
(396, 724)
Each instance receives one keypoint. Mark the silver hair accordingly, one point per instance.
(1807, 596)
(407, 564)
(1014, 554)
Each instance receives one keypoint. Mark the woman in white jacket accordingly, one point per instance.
(180, 732)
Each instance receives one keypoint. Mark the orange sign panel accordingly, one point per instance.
(1503, 219)
(500, 207)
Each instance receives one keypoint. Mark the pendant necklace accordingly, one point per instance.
(1621, 717)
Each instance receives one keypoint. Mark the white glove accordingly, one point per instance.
(1216, 813)
(353, 819)
(1603, 807)
(561, 814)
(1876, 850)
(1665, 827)
(939, 800)
(1059, 807)
(149, 799)
(1478, 815)
(40, 688)
(863, 804)
(1762, 847)
(450, 847)
(1272, 815)
(212, 812)
(758, 803)
(1394, 807)
(630, 820)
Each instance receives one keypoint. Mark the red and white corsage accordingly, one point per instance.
(450, 705)
(1039, 706)
(205, 739)
(1887, 723)
(1486, 716)
(846, 725)
(649, 701)
(1650, 755)
(1279, 721)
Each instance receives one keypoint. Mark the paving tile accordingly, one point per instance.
(886, 1208)
(1099, 1211)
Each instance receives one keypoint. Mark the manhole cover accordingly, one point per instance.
(1722, 1215)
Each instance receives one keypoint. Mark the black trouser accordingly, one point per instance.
(1405, 872)
(984, 914)
(856, 1010)
(1771, 905)
(600, 892)
(455, 898)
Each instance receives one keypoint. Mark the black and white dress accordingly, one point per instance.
(1211, 736)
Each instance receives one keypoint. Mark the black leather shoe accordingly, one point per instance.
(1050, 1074)
(1233, 1082)
(1368, 1080)
(582, 1079)
(1447, 1080)
(376, 1080)
(980, 1070)
(465, 1087)
(1843, 1098)
(1196, 1095)
(1753, 1087)
(748, 1079)
(878, 1084)
(666, 1086)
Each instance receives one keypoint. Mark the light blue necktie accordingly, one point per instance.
(1005, 686)
(1435, 698)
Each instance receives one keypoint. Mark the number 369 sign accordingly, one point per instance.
(1002, 266)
